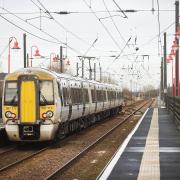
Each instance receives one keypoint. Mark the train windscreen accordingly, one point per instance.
(46, 93)
(11, 93)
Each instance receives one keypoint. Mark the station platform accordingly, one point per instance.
(150, 152)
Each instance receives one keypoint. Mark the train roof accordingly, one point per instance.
(46, 74)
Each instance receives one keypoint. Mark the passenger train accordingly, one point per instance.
(42, 105)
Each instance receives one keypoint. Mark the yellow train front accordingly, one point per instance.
(29, 110)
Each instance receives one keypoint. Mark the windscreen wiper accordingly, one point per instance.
(43, 98)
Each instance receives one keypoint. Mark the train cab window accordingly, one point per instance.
(11, 93)
(46, 93)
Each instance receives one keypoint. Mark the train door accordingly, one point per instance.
(64, 96)
(29, 99)
(86, 107)
(76, 99)
(80, 101)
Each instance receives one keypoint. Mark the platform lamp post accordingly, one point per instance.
(177, 35)
(174, 50)
(15, 46)
(168, 60)
(37, 54)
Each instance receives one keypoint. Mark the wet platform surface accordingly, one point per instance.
(152, 151)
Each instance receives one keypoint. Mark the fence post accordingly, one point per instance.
(173, 108)
(167, 102)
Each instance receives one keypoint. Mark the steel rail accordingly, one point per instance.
(71, 161)
(6, 149)
(23, 159)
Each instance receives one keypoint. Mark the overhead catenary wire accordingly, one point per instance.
(39, 37)
(125, 16)
(159, 29)
(45, 10)
(106, 29)
(115, 25)
(110, 15)
(5, 48)
(154, 37)
(118, 55)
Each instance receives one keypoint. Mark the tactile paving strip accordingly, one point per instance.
(150, 168)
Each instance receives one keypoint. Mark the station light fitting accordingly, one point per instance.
(37, 53)
(170, 57)
(16, 45)
(178, 32)
(68, 62)
(172, 52)
(175, 45)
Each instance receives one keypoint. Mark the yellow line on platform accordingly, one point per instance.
(150, 168)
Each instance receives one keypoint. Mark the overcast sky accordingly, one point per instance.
(81, 28)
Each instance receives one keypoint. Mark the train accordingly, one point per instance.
(41, 105)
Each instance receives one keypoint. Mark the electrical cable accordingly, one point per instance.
(114, 22)
(118, 55)
(159, 29)
(58, 41)
(125, 16)
(153, 38)
(58, 23)
(106, 29)
(35, 34)
(87, 12)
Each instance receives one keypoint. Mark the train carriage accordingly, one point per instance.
(39, 104)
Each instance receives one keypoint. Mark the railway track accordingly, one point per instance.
(71, 161)
(30, 154)
(10, 163)
(6, 149)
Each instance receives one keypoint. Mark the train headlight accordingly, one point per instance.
(10, 115)
(47, 115)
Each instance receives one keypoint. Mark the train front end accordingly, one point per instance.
(29, 106)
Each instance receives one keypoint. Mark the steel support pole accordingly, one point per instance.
(77, 69)
(24, 50)
(177, 52)
(162, 87)
(165, 65)
(61, 59)
(94, 71)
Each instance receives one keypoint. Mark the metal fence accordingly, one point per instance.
(173, 105)
(0, 108)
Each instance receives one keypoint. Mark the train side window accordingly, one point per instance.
(109, 95)
(104, 94)
(73, 95)
(93, 95)
(11, 93)
(66, 96)
(86, 96)
(80, 96)
(100, 96)
(76, 95)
